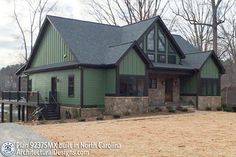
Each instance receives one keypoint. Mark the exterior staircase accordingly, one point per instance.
(53, 111)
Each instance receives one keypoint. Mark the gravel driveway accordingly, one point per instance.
(19, 134)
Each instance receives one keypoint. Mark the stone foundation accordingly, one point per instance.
(188, 100)
(69, 112)
(123, 105)
(209, 101)
(91, 112)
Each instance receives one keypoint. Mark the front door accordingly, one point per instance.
(168, 90)
(53, 94)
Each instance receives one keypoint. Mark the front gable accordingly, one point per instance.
(209, 69)
(158, 44)
(50, 49)
(132, 64)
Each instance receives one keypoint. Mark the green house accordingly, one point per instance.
(89, 67)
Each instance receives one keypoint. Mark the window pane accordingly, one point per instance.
(140, 86)
(152, 83)
(161, 41)
(151, 56)
(71, 86)
(172, 59)
(141, 45)
(132, 86)
(150, 40)
(161, 58)
(171, 50)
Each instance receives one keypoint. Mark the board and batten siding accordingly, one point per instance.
(42, 82)
(97, 83)
(209, 70)
(132, 64)
(52, 49)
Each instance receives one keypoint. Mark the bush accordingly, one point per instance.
(116, 115)
(100, 117)
(219, 108)
(184, 109)
(81, 119)
(171, 109)
(208, 108)
(227, 107)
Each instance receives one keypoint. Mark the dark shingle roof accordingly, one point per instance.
(101, 44)
(184, 44)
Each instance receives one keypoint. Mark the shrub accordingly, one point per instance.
(171, 109)
(128, 112)
(184, 109)
(62, 120)
(208, 108)
(227, 107)
(219, 108)
(116, 115)
(100, 117)
(81, 119)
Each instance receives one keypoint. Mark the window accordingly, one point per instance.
(151, 56)
(132, 85)
(161, 42)
(152, 83)
(171, 50)
(172, 59)
(151, 40)
(71, 86)
(141, 45)
(161, 58)
(210, 87)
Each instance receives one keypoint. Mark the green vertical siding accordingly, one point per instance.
(52, 49)
(188, 84)
(209, 69)
(94, 86)
(42, 82)
(110, 83)
(132, 64)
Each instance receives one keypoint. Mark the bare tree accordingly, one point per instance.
(37, 12)
(126, 11)
(192, 12)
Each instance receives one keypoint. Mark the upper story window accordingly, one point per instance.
(151, 56)
(71, 86)
(161, 42)
(151, 40)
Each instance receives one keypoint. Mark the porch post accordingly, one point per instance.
(10, 111)
(19, 108)
(2, 110)
(23, 113)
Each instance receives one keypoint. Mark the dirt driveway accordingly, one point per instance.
(205, 134)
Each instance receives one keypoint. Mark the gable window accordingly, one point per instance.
(141, 44)
(161, 42)
(132, 85)
(152, 83)
(151, 56)
(71, 86)
(161, 58)
(151, 40)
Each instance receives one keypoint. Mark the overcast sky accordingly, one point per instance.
(11, 49)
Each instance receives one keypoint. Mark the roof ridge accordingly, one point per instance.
(140, 21)
(121, 44)
(83, 21)
(191, 53)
